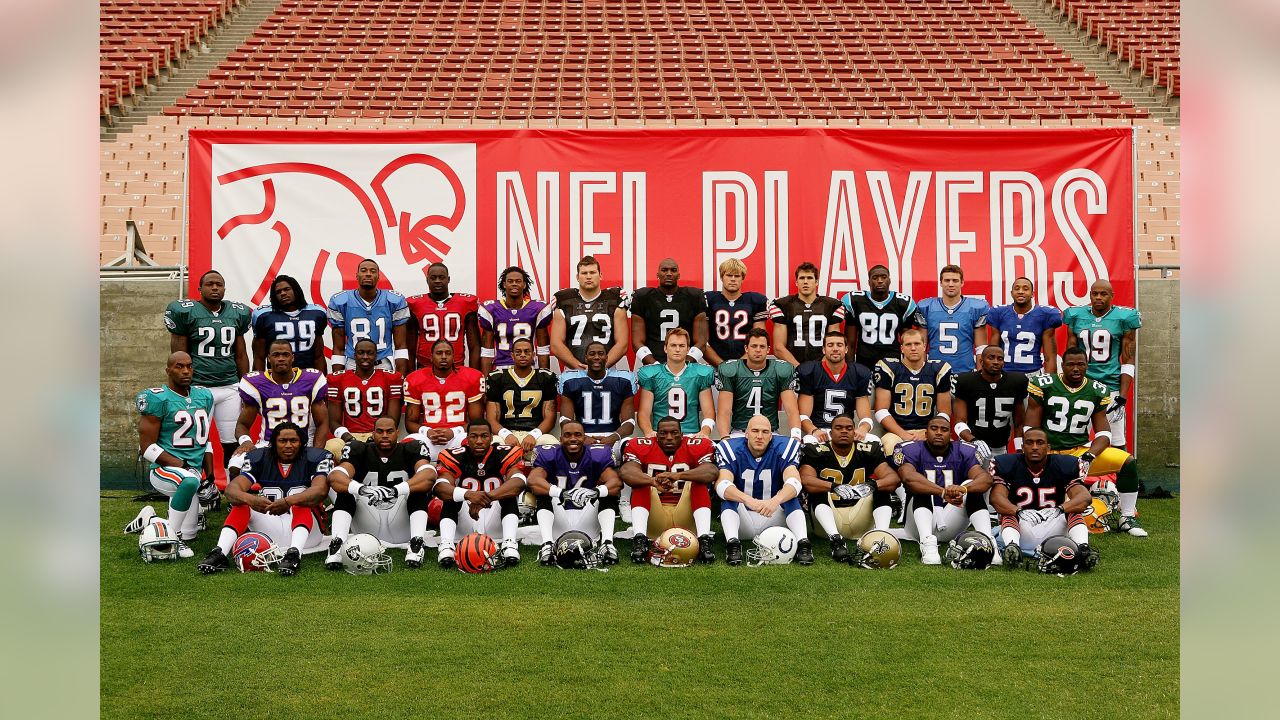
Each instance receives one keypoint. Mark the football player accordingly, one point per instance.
(211, 330)
(994, 400)
(945, 486)
(602, 400)
(731, 313)
(848, 483)
(910, 390)
(369, 311)
(282, 393)
(831, 387)
(677, 388)
(173, 435)
(443, 315)
(1067, 405)
(289, 317)
(383, 487)
(755, 385)
(1025, 331)
(278, 493)
(576, 488)
(873, 319)
(759, 482)
(511, 317)
(357, 398)
(656, 311)
(522, 400)
(957, 324)
(1108, 334)
(670, 476)
(495, 471)
(802, 321)
(1038, 495)
(588, 314)
(442, 398)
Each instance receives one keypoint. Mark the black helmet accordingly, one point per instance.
(970, 550)
(575, 551)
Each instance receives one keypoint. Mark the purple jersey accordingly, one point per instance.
(278, 402)
(511, 324)
(585, 472)
(952, 468)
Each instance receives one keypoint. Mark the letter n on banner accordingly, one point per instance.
(529, 241)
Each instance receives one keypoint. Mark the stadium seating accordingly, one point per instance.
(1144, 33)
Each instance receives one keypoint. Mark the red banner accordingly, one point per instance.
(1055, 205)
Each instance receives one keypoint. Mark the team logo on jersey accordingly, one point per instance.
(169, 323)
(899, 457)
(142, 403)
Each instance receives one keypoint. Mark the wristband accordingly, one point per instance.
(459, 494)
(554, 491)
(1103, 433)
(339, 362)
(696, 353)
(1127, 369)
(340, 431)
(535, 434)
(625, 423)
(797, 432)
(244, 439)
(868, 421)
(543, 350)
(881, 415)
(643, 353)
(805, 417)
(793, 482)
(503, 434)
(960, 428)
(709, 424)
(339, 468)
(521, 477)
(402, 489)
(1088, 455)
(401, 354)
(1017, 444)
(602, 491)
(488, 352)
(1119, 401)
(153, 452)
(722, 486)
(978, 350)
(354, 487)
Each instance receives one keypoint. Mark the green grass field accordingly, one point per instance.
(640, 642)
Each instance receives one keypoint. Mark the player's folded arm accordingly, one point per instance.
(916, 482)
(632, 474)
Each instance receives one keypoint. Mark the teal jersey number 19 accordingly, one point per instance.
(210, 337)
(184, 420)
(1101, 339)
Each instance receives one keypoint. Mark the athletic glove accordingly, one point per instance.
(845, 492)
(1086, 461)
(982, 452)
(580, 496)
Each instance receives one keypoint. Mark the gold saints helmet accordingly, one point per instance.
(878, 550)
(675, 547)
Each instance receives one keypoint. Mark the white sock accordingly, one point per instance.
(729, 522)
(606, 518)
(510, 523)
(881, 517)
(640, 520)
(981, 521)
(299, 539)
(226, 539)
(448, 530)
(624, 497)
(826, 518)
(342, 524)
(192, 522)
(924, 521)
(1079, 533)
(1011, 536)
(177, 518)
(418, 523)
(797, 525)
(1128, 504)
(701, 521)
(546, 523)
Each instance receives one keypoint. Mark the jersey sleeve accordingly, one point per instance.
(545, 459)
(410, 390)
(883, 376)
(512, 461)
(399, 308)
(980, 313)
(494, 391)
(699, 302)
(786, 374)
(176, 319)
(245, 320)
(912, 315)
(149, 403)
(446, 462)
(773, 312)
(839, 313)
(331, 387)
(249, 392)
(873, 451)
(1001, 466)
(646, 379)
(632, 453)
(1105, 401)
(702, 450)
(1052, 317)
(762, 310)
(1132, 320)
(395, 385)
(945, 376)
(258, 321)
(1035, 393)
(790, 454)
(336, 317)
(484, 318)
(543, 318)
(726, 457)
(475, 388)
(320, 390)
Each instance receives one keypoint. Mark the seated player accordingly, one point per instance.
(282, 394)
(678, 388)
(759, 481)
(383, 487)
(831, 386)
(909, 391)
(360, 396)
(993, 399)
(944, 485)
(522, 401)
(1066, 405)
(602, 400)
(754, 385)
(576, 488)
(670, 476)
(442, 399)
(278, 492)
(173, 434)
(494, 471)
(848, 483)
(1038, 495)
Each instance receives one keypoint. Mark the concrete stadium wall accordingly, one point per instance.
(1159, 390)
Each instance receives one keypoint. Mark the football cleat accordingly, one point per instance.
(185, 551)
(1011, 556)
(214, 561)
(290, 563)
(445, 558)
(733, 551)
(510, 553)
(608, 553)
(839, 549)
(706, 555)
(899, 508)
(929, 551)
(144, 516)
(333, 561)
(640, 549)
(416, 552)
(1088, 557)
(546, 554)
(804, 552)
(202, 521)
(1129, 524)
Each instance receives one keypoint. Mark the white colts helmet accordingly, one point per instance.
(157, 541)
(364, 554)
(774, 546)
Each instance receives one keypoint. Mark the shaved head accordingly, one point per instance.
(175, 357)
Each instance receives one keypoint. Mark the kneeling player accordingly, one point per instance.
(277, 493)
(759, 482)
(1039, 495)
(493, 471)
(938, 507)
(670, 476)
(848, 483)
(576, 488)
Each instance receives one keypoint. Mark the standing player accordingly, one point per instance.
(522, 401)
(442, 398)
(1109, 336)
(910, 390)
(755, 385)
(957, 324)
(290, 318)
(670, 476)
(656, 311)
(576, 488)
(848, 483)
(512, 317)
(1067, 405)
(833, 386)
(493, 471)
(283, 393)
(443, 315)
(211, 331)
(945, 486)
(357, 398)
(369, 311)
(677, 388)
(173, 435)
(602, 400)
(801, 321)
(759, 482)
(1026, 330)
(1039, 495)
(731, 313)
(873, 319)
(993, 400)
(588, 314)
